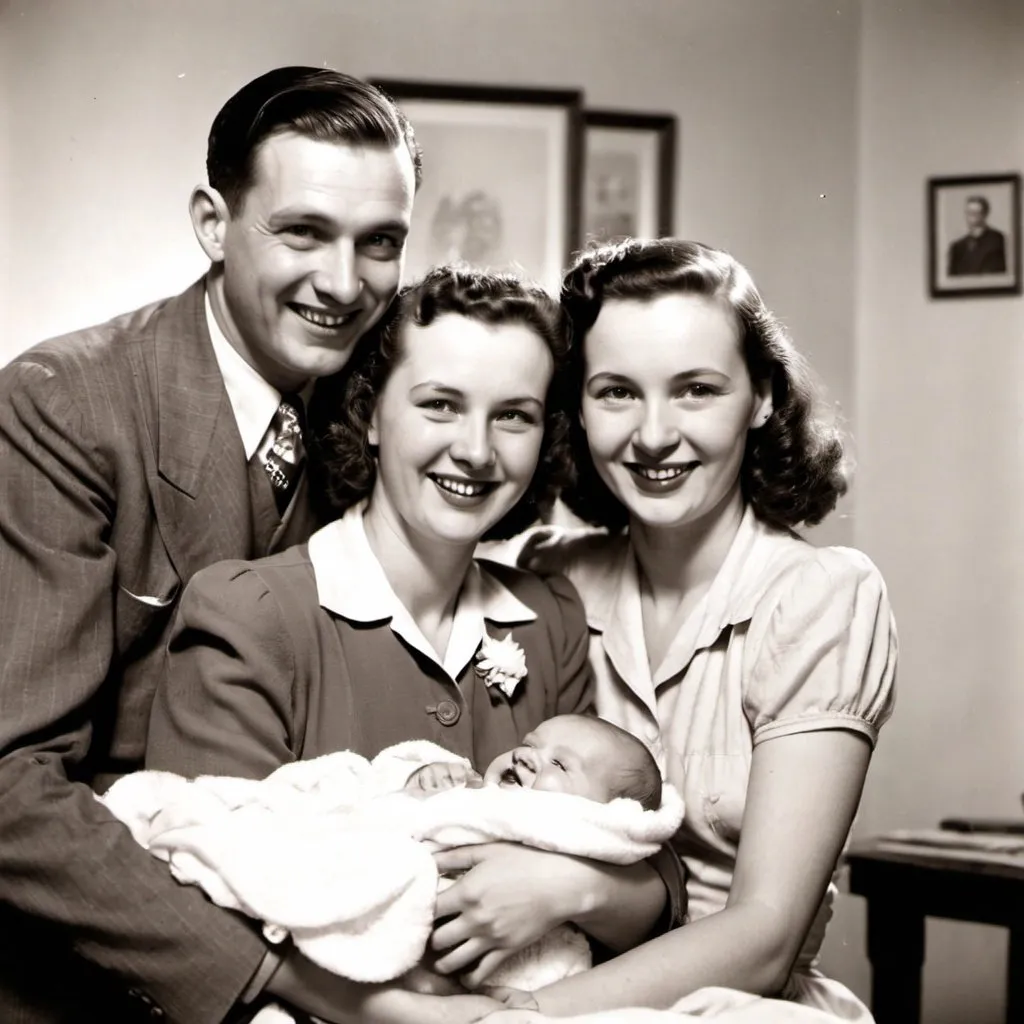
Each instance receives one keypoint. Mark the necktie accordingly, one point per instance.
(281, 451)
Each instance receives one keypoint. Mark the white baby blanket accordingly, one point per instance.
(332, 852)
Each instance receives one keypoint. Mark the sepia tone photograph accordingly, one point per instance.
(504, 516)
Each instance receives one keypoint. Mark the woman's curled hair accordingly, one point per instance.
(792, 470)
(342, 462)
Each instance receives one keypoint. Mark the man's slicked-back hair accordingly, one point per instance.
(318, 103)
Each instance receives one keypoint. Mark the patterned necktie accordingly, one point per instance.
(281, 451)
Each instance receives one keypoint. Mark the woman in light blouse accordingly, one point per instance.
(758, 667)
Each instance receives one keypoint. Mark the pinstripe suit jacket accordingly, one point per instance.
(121, 474)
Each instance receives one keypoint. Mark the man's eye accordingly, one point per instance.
(301, 232)
(382, 247)
(558, 764)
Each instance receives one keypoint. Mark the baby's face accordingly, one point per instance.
(566, 754)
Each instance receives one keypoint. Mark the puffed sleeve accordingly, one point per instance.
(224, 706)
(822, 649)
(575, 693)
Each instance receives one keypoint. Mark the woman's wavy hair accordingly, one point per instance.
(342, 462)
(792, 470)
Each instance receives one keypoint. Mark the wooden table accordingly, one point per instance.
(902, 887)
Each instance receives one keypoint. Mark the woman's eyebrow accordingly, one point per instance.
(436, 385)
(699, 371)
(521, 400)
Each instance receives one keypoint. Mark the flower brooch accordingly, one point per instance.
(501, 663)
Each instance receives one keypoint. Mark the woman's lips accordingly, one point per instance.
(658, 479)
(462, 492)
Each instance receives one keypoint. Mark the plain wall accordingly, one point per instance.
(939, 500)
(114, 99)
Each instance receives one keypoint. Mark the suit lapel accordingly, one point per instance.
(202, 492)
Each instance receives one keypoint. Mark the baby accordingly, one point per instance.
(336, 851)
(575, 754)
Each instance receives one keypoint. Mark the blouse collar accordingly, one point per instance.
(611, 595)
(352, 584)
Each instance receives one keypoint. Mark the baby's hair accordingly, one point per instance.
(641, 782)
(639, 777)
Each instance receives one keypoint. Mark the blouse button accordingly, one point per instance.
(714, 798)
(447, 712)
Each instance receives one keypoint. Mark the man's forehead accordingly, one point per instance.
(289, 158)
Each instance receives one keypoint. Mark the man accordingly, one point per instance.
(983, 249)
(132, 454)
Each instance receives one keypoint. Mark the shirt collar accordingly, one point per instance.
(738, 585)
(340, 554)
(253, 400)
(610, 589)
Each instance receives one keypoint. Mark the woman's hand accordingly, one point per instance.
(512, 998)
(403, 1007)
(407, 1000)
(509, 896)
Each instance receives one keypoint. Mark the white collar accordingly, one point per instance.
(253, 400)
(351, 583)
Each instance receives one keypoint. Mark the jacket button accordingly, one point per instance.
(447, 712)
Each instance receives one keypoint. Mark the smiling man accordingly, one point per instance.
(133, 454)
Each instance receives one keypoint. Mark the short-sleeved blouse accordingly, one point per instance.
(310, 651)
(788, 638)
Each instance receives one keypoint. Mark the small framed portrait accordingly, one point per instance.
(974, 228)
(501, 170)
(629, 175)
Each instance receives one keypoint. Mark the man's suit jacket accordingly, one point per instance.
(981, 254)
(122, 472)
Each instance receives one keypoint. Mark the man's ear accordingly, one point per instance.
(210, 217)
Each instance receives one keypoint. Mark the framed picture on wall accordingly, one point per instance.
(974, 229)
(629, 175)
(501, 170)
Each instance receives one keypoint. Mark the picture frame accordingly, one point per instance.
(502, 173)
(629, 175)
(974, 236)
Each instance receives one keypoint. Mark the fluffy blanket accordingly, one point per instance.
(333, 853)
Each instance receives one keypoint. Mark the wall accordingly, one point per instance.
(114, 98)
(940, 495)
(107, 136)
